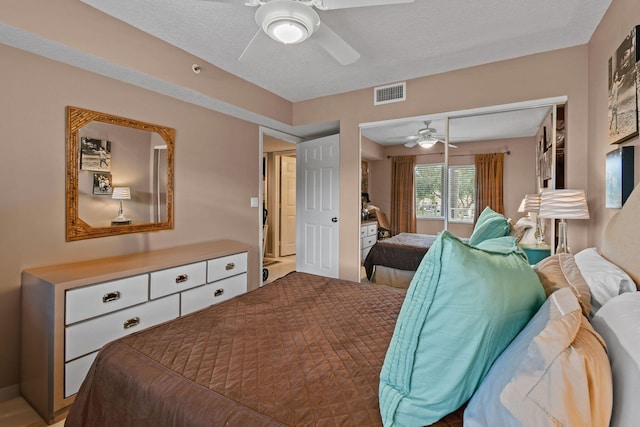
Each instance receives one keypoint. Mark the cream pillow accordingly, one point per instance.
(560, 271)
(554, 373)
(565, 378)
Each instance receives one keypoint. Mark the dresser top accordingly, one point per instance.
(104, 269)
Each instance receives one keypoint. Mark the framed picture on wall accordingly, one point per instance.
(623, 93)
(619, 176)
(102, 184)
(95, 154)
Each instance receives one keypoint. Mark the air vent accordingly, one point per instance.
(390, 93)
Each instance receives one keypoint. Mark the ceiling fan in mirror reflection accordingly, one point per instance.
(426, 137)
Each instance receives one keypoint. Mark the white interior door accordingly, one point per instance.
(287, 206)
(317, 187)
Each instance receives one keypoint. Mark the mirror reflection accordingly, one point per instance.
(120, 175)
(511, 131)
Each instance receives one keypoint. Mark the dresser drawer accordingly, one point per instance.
(363, 231)
(213, 293)
(227, 266)
(363, 254)
(90, 301)
(372, 229)
(367, 242)
(75, 371)
(177, 279)
(89, 336)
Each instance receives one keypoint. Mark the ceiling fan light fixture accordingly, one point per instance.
(287, 21)
(287, 31)
(426, 141)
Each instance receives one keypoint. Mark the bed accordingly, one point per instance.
(285, 354)
(309, 350)
(393, 261)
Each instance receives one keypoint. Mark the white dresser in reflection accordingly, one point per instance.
(368, 237)
(70, 311)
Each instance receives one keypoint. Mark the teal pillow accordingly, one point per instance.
(464, 306)
(489, 225)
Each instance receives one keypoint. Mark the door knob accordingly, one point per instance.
(334, 219)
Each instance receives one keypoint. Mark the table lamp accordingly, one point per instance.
(563, 205)
(121, 193)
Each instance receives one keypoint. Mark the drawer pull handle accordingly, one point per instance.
(230, 266)
(218, 293)
(134, 321)
(111, 296)
(182, 278)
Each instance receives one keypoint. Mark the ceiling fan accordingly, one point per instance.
(294, 21)
(426, 137)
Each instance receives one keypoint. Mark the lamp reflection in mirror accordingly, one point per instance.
(563, 205)
(121, 193)
(531, 205)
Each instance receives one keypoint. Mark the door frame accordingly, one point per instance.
(285, 137)
(277, 187)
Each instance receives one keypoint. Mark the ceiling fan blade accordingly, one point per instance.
(411, 144)
(450, 145)
(259, 43)
(335, 45)
(344, 4)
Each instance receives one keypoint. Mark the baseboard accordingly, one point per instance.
(10, 392)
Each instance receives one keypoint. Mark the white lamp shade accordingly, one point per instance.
(121, 193)
(521, 207)
(563, 204)
(532, 203)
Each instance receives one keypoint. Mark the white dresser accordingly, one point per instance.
(368, 237)
(70, 311)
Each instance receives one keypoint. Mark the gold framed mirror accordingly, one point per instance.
(119, 175)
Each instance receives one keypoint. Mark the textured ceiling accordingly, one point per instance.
(395, 42)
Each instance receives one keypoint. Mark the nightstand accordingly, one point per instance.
(536, 253)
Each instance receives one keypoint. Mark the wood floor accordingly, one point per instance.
(285, 265)
(17, 412)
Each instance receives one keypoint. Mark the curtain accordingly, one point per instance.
(403, 199)
(489, 189)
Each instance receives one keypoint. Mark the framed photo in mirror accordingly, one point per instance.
(102, 184)
(95, 154)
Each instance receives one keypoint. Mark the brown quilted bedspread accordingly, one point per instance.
(303, 351)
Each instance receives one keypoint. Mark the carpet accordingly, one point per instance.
(266, 262)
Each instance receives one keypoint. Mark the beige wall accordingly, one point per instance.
(217, 156)
(558, 73)
(216, 173)
(79, 26)
(621, 17)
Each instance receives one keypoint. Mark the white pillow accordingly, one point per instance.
(605, 279)
(617, 322)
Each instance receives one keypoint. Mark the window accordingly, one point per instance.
(461, 194)
(429, 190)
